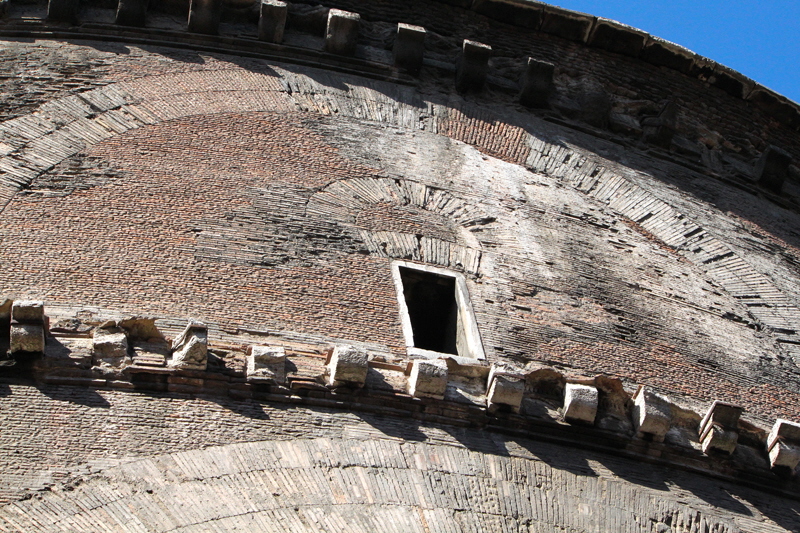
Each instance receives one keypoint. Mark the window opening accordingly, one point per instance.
(435, 311)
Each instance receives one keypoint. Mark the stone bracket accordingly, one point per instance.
(28, 328)
(132, 13)
(772, 169)
(204, 16)
(536, 83)
(190, 348)
(652, 414)
(347, 365)
(473, 66)
(272, 21)
(63, 11)
(719, 429)
(580, 403)
(341, 35)
(428, 378)
(267, 363)
(409, 47)
(783, 445)
(505, 388)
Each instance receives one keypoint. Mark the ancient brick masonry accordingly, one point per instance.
(201, 319)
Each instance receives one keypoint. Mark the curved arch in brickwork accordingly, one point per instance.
(34, 143)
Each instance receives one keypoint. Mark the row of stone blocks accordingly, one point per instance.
(348, 366)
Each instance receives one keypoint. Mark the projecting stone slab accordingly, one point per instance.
(580, 403)
(783, 445)
(272, 20)
(63, 11)
(131, 12)
(719, 429)
(409, 47)
(26, 338)
(473, 66)
(341, 35)
(110, 346)
(190, 348)
(267, 362)
(347, 366)
(28, 311)
(428, 378)
(652, 414)
(204, 16)
(536, 83)
(772, 168)
(661, 129)
(505, 388)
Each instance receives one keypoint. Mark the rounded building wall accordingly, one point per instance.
(628, 258)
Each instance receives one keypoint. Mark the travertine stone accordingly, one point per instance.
(783, 444)
(505, 388)
(772, 168)
(661, 129)
(272, 21)
(27, 338)
(652, 414)
(341, 35)
(140, 328)
(131, 12)
(428, 378)
(719, 428)
(190, 349)
(536, 83)
(347, 366)
(109, 346)
(409, 47)
(204, 16)
(5, 311)
(28, 311)
(63, 11)
(267, 362)
(473, 66)
(580, 403)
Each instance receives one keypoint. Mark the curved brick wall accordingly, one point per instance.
(269, 199)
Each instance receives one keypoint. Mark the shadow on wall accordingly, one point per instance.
(77, 395)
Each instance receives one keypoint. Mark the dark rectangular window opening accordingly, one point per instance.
(432, 310)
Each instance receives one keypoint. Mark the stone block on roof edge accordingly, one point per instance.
(190, 348)
(664, 53)
(131, 13)
(783, 445)
(522, 13)
(341, 34)
(267, 362)
(348, 365)
(652, 414)
(506, 387)
(26, 338)
(409, 47)
(272, 21)
(567, 24)
(110, 346)
(428, 378)
(28, 311)
(204, 16)
(719, 428)
(473, 66)
(580, 403)
(617, 37)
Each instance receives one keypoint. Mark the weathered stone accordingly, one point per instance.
(267, 362)
(63, 11)
(4, 8)
(28, 311)
(580, 403)
(141, 328)
(783, 445)
(517, 12)
(409, 47)
(109, 347)
(27, 338)
(617, 37)
(652, 414)
(567, 24)
(473, 66)
(428, 378)
(204, 16)
(341, 35)
(664, 53)
(772, 168)
(272, 20)
(347, 365)
(190, 348)
(132, 12)
(719, 428)
(505, 388)
(5, 311)
(536, 83)
(661, 129)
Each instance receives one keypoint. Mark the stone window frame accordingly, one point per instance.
(466, 313)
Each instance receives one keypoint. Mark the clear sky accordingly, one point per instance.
(760, 39)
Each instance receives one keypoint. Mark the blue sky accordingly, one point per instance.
(759, 39)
